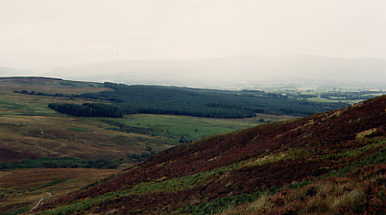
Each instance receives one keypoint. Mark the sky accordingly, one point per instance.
(55, 33)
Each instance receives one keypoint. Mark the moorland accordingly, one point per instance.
(324, 164)
(59, 136)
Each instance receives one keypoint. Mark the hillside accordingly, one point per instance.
(328, 163)
(30, 132)
(42, 151)
(34, 135)
(22, 189)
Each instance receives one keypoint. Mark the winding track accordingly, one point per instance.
(49, 195)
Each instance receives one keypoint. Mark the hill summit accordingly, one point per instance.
(328, 163)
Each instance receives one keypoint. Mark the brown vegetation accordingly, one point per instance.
(23, 188)
(315, 165)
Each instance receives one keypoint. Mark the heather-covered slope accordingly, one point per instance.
(329, 163)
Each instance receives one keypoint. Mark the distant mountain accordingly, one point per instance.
(6, 71)
(240, 72)
(329, 163)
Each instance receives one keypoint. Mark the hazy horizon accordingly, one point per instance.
(42, 37)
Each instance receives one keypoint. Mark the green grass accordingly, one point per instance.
(84, 204)
(51, 183)
(190, 181)
(205, 208)
(24, 188)
(13, 106)
(17, 211)
(177, 184)
(321, 100)
(72, 208)
(324, 100)
(78, 129)
(174, 185)
(355, 152)
(376, 158)
(176, 127)
(219, 205)
(300, 184)
(21, 105)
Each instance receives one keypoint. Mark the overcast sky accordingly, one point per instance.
(50, 33)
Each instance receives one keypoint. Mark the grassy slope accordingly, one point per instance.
(329, 163)
(193, 128)
(21, 189)
(28, 129)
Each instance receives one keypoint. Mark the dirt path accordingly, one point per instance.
(49, 195)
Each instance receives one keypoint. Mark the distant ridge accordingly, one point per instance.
(237, 72)
(29, 78)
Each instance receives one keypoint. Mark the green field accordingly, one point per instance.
(321, 100)
(176, 128)
(336, 100)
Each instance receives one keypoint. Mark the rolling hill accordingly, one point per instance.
(22, 189)
(328, 163)
(33, 135)
(30, 132)
(36, 143)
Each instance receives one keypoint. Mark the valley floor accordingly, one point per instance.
(21, 190)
